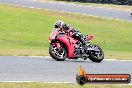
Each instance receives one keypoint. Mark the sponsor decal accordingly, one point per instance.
(82, 77)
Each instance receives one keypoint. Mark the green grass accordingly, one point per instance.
(25, 31)
(46, 85)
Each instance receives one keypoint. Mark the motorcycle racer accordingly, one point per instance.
(66, 42)
(66, 28)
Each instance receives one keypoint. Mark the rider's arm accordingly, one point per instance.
(76, 32)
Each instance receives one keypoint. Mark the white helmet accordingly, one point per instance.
(59, 24)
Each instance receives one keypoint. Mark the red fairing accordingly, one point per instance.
(69, 42)
(56, 31)
(65, 39)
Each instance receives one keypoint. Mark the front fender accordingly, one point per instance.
(69, 42)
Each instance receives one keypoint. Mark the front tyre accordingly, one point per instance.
(58, 54)
(97, 55)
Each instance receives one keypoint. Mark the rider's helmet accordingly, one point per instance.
(59, 24)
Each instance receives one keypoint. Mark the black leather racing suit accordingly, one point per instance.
(74, 33)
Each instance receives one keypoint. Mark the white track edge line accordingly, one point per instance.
(50, 82)
(50, 57)
(31, 82)
(116, 60)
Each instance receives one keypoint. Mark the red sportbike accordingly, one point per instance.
(63, 46)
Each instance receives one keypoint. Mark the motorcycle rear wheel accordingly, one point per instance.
(97, 58)
(56, 55)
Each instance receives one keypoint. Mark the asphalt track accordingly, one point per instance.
(78, 9)
(43, 69)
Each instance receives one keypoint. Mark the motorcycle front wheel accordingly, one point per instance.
(58, 54)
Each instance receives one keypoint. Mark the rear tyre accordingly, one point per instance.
(58, 54)
(97, 56)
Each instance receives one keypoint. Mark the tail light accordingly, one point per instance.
(88, 37)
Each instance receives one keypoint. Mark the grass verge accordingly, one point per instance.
(25, 31)
(48, 85)
(117, 7)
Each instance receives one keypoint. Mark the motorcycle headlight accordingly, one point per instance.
(53, 36)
